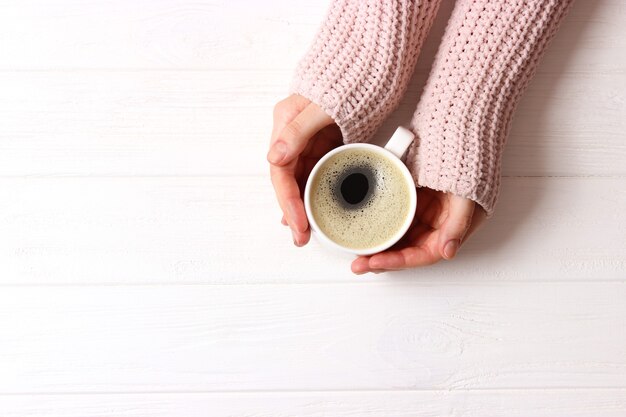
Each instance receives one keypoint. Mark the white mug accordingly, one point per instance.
(393, 152)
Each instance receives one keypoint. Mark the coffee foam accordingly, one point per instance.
(371, 222)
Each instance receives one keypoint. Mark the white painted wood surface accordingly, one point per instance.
(312, 337)
(397, 403)
(199, 230)
(144, 272)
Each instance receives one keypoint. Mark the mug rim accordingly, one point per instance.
(396, 236)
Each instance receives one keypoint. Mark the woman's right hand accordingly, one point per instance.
(301, 135)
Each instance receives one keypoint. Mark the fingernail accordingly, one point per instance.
(296, 241)
(277, 152)
(449, 250)
(360, 272)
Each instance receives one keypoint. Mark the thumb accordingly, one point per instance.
(294, 137)
(455, 226)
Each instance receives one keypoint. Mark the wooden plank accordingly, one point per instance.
(114, 339)
(202, 230)
(152, 34)
(218, 123)
(187, 34)
(515, 403)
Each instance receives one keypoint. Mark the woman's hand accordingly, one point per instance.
(301, 135)
(442, 222)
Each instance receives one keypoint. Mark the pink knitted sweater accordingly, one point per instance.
(361, 60)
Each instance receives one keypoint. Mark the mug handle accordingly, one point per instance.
(400, 141)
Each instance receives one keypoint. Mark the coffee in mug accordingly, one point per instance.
(361, 197)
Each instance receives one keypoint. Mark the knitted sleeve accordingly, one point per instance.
(488, 54)
(361, 60)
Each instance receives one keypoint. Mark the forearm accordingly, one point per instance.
(488, 54)
(361, 60)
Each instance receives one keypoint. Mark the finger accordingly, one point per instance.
(480, 215)
(301, 239)
(360, 265)
(285, 111)
(410, 257)
(288, 195)
(416, 250)
(455, 226)
(295, 136)
(417, 235)
(361, 271)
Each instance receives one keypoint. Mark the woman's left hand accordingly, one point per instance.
(442, 223)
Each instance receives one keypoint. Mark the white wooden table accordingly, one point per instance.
(144, 272)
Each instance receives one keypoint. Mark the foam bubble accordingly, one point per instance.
(376, 218)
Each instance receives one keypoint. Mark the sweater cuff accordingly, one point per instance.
(488, 54)
(361, 60)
